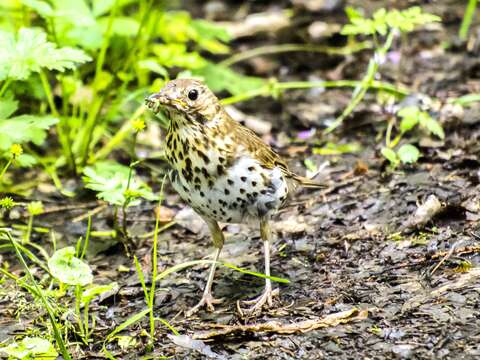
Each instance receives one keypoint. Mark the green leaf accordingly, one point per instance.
(410, 117)
(171, 55)
(175, 27)
(24, 128)
(125, 341)
(68, 269)
(337, 149)
(220, 78)
(110, 179)
(25, 160)
(390, 155)
(130, 321)
(30, 52)
(382, 21)
(30, 348)
(87, 37)
(153, 66)
(41, 7)
(7, 107)
(408, 154)
(101, 7)
(121, 26)
(353, 14)
(209, 35)
(77, 12)
(96, 290)
(431, 125)
(407, 20)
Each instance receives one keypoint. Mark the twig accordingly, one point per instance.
(277, 327)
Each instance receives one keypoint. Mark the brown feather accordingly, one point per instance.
(264, 153)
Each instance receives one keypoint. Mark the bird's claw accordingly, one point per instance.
(207, 300)
(259, 303)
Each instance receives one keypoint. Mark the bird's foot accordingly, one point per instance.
(266, 299)
(207, 300)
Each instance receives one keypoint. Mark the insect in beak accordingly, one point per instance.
(156, 100)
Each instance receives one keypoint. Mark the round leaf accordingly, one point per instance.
(408, 154)
(390, 155)
(68, 269)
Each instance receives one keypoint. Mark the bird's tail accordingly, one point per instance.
(308, 183)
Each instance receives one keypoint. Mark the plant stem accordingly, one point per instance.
(90, 125)
(127, 196)
(388, 134)
(105, 44)
(146, 11)
(62, 134)
(5, 168)
(126, 202)
(98, 102)
(29, 230)
(366, 83)
(151, 299)
(87, 237)
(48, 92)
(270, 89)
(119, 136)
(78, 313)
(5, 86)
(51, 314)
(467, 19)
(275, 49)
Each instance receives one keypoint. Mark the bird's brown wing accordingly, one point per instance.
(266, 156)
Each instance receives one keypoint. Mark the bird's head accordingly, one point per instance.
(189, 98)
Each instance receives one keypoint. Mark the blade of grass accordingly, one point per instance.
(130, 321)
(187, 264)
(467, 19)
(151, 299)
(141, 277)
(51, 314)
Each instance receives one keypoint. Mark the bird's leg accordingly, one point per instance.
(207, 298)
(268, 293)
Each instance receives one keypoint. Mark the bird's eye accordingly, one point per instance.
(193, 94)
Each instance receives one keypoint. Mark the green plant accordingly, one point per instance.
(383, 24)
(7, 203)
(467, 19)
(34, 208)
(117, 185)
(411, 117)
(114, 49)
(30, 348)
(37, 292)
(67, 267)
(111, 180)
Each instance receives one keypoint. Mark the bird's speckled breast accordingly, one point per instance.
(219, 180)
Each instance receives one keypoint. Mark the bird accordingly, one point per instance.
(223, 171)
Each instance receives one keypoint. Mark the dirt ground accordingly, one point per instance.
(408, 290)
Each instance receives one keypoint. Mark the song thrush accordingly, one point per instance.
(223, 170)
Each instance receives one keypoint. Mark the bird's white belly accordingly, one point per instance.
(244, 193)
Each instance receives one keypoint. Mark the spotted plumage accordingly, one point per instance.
(223, 170)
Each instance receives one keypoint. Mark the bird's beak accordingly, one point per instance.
(156, 100)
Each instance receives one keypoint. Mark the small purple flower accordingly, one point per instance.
(394, 57)
(306, 134)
